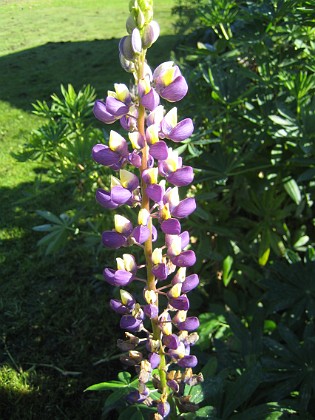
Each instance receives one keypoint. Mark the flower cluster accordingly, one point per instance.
(167, 334)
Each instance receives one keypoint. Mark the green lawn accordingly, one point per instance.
(55, 324)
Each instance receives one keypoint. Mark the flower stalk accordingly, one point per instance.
(151, 187)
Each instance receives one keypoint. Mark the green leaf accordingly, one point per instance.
(293, 190)
(124, 377)
(280, 121)
(202, 214)
(207, 412)
(227, 269)
(115, 400)
(131, 413)
(105, 386)
(269, 411)
(44, 228)
(264, 248)
(241, 390)
(49, 216)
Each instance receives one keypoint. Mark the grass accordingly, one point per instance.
(57, 334)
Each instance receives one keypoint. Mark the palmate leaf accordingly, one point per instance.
(291, 288)
(240, 391)
(268, 411)
(58, 231)
(115, 400)
(290, 365)
(207, 412)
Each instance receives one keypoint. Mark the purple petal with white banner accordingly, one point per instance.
(171, 226)
(176, 90)
(116, 107)
(159, 150)
(181, 177)
(190, 283)
(104, 199)
(112, 239)
(190, 324)
(101, 112)
(184, 208)
(141, 234)
(181, 131)
(120, 195)
(185, 259)
(104, 155)
(188, 361)
(117, 277)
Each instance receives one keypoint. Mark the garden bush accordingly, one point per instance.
(251, 68)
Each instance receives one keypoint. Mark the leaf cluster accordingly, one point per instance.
(250, 67)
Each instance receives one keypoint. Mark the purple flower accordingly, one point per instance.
(188, 361)
(175, 131)
(171, 226)
(190, 324)
(181, 303)
(125, 48)
(190, 283)
(155, 192)
(181, 177)
(101, 112)
(184, 208)
(159, 150)
(117, 277)
(163, 408)
(112, 239)
(151, 311)
(150, 100)
(140, 234)
(116, 107)
(154, 359)
(171, 341)
(169, 82)
(151, 33)
(120, 195)
(185, 259)
(120, 308)
(137, 397)
(130, 323)
(104, 199)
(160, 271)
(104, 155)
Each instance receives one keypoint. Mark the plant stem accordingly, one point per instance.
(145, 204)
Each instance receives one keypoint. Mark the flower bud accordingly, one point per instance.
(165, 323)
(154, 359)
(143, 217)
(122, 224)
(150, 176)
(150, 34)
(117, 143)
(136, 41)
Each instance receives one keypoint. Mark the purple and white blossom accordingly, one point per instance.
(149, 173)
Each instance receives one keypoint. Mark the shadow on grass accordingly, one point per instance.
(38, 72)
(54, 319)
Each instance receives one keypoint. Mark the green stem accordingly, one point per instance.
(145, 204)
(226, 36)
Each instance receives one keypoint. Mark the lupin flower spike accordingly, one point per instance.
(152, 190)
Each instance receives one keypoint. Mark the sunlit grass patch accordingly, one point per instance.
(14, 383)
